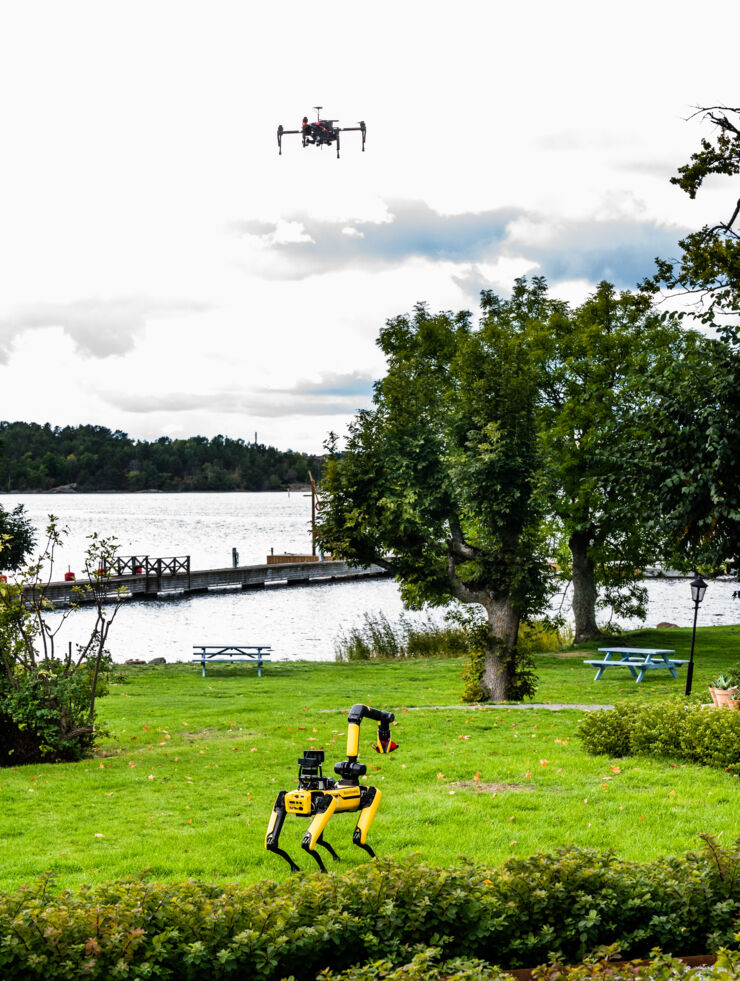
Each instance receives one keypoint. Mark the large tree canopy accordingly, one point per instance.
(595, 361)
(441, 482)
(696, 432)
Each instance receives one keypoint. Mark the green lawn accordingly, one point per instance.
(185, 781)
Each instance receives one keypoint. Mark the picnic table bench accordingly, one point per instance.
(637, 660)
(228, 653)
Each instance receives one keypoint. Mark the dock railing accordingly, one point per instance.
(146, 565)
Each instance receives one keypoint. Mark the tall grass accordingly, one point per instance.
(376, 638)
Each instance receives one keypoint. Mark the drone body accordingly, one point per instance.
(323, 132)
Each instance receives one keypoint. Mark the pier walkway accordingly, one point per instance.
(151, 585)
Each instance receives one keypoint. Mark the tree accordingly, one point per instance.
(440, 481)
(594, 360)
(16, 537)
(698, 423)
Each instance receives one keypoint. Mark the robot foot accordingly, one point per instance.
(315, 854)
(360, 844)
(328, 847)
(288, 859)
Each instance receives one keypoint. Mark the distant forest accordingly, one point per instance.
(40, 458)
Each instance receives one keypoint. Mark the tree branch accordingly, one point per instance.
(456, 544)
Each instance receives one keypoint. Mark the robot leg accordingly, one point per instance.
(368, 806)
(274, 828)
(325, 807)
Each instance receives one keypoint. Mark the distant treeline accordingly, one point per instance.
(39, 458)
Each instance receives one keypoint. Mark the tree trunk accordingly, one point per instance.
(584, 589)
(503, 625)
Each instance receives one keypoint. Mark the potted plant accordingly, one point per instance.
(725, 691)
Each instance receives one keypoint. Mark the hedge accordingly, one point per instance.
(428, 965)
(674, 728)
(529, 911)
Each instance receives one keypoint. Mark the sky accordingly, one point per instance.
(163, 271)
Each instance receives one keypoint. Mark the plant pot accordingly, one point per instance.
(723, 697)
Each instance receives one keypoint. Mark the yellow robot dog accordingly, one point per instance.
(320, 797)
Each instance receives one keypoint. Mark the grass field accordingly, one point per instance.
(184, 783)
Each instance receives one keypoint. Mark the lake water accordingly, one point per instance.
(298, 622)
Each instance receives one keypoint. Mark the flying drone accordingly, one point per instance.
(321, 133)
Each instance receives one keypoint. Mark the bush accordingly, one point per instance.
(428, 965)
(47, 702)
(44, 717)
(528, 911)
(609, 732)
(674, 729)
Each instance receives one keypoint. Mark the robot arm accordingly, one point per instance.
(384, 742)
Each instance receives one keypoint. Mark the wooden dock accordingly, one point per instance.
(153, 585)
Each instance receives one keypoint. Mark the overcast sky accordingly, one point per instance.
(164, 271)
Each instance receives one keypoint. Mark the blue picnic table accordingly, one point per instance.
(637, 660)
(228, 653)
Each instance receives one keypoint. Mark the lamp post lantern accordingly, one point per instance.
(698, 588)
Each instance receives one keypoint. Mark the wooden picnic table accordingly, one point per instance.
(227, 653)
(637, 660)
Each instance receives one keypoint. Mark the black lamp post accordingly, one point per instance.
(698, 588)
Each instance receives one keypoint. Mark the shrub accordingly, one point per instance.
(675, 729)
(609, 732)
(428, 965)
(47, 702)
(45, 716)
(527, 912)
